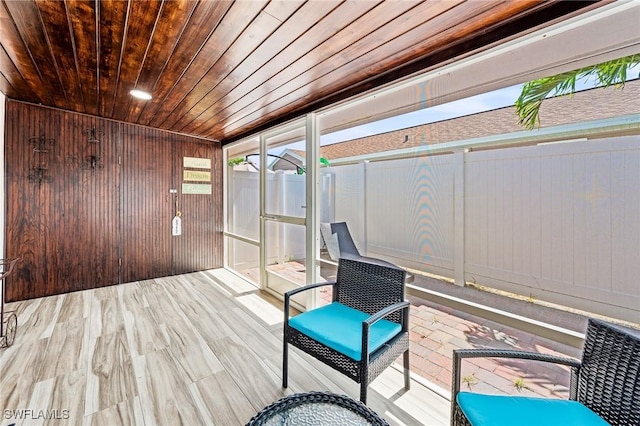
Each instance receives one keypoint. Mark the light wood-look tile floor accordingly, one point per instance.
(195, 349)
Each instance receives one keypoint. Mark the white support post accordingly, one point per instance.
(281, 237)
(458, 217)
(263, 212)
(312, 248)
(227, 189)
(365, 209)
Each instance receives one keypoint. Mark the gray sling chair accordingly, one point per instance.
(362, 332)
(337, 239)
(604, 387)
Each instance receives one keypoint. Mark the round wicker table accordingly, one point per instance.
(317, 408)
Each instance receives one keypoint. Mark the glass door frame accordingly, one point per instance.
(312, 210)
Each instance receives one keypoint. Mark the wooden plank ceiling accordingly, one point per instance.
(221, 70)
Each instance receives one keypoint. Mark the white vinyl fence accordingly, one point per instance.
(558, 222)
(285, 196)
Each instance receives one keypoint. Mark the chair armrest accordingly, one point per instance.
(366, 324)
(290, 293)
(459, 354)
(386, 311)
(308, 287)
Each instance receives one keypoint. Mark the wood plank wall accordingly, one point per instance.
(146, 220)
(202, 216)
(87, 223)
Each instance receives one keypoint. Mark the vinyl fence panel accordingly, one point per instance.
(560, 222)
(409, 209)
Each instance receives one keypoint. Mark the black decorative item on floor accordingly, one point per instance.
(9, 319)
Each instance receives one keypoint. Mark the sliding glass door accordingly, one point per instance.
(283, 207)
(270, 227)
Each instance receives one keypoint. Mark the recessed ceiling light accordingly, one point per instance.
(140, 94)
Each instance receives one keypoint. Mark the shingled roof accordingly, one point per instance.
(587, 105)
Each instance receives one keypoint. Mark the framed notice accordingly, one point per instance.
(196, 175)
(196, 188)
(196, 163)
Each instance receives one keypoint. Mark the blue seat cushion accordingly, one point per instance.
(500, 410)
(340, 328)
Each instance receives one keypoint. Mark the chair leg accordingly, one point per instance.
(285, 364)
(363, 392)
(407, 370)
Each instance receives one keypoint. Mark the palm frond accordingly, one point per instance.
(535, 92)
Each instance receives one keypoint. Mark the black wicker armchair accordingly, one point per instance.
(363, 331)
(604, 386)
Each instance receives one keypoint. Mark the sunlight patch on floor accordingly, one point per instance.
(237, 284)
(263, 309)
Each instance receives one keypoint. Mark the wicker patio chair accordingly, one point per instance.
(604, 386)
(362, 331)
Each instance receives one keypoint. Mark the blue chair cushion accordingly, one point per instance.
(340, 328)
(500, 410)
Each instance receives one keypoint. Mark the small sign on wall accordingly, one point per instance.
(176, 226)
(196, 163)
(196, 175)
(196, 188)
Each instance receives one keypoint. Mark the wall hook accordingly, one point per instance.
(93, 135)
(39, 161)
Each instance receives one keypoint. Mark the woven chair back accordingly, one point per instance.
(609, 381)
(368, 286)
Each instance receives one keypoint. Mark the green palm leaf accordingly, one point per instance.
(535, 92)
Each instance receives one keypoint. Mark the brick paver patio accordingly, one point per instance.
(437, 330)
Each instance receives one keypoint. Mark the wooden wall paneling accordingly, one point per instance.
(83, 221)
(146, 203)
(93, 203)
(65, 227)
(24, 236)
(200, 245)
(101, 212)
(47, 128)
(62, 261)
